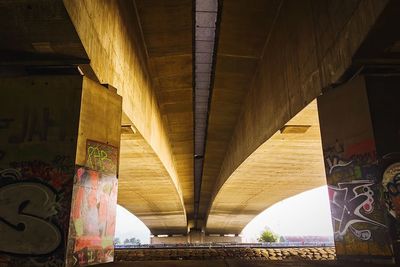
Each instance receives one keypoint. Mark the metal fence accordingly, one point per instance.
(228, 245)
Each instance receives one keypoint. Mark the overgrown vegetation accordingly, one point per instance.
(268, 236)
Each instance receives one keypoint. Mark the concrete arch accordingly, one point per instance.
(302, 50)
(120, 55)
(289, 163)
(146, 188)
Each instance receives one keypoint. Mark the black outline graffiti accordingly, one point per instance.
(350, 203)
(27, 212)
(335, 162)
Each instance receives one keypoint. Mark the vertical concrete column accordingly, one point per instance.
(41, 142)
(354, 172)
(94, 196)
(196, 237)
(39, 119)
(383, 94)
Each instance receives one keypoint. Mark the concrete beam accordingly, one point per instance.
(307, 49)
(289, 163)
(27, 38)
(111, 36)
(145, 187)
(167, 33)
(195, 237)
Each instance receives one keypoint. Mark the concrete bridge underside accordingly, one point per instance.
(271, 59)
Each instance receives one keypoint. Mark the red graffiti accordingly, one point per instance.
(93, 216)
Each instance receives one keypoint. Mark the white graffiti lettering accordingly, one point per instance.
(350, 204)
(25, 226)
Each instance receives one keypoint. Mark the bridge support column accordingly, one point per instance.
(59, 143)
(195, 237)
(223, 238)
(360, 130)
(169, 239)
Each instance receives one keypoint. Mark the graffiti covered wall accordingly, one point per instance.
(356, 199)
(38, 134)
(383, 94)
(93, 210)
(353, 173)
(101, 157)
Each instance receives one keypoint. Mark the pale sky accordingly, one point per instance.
(128, 226)
(305, 214)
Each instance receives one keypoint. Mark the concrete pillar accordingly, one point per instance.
(353, 140)
(223, 239)
(196, 237)
(58, 170)
(169, 239)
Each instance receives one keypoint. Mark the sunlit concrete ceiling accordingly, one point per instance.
(243, 33)
(145, 187)
(290, 162)
(167, 34)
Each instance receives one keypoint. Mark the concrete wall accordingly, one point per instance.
(169, 240)
(195, 237)
(94, 196)
(382, 95)
(353, 173)
(38, 136)
(48, 125)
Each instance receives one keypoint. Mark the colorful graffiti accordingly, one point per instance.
(38, 134)
(24, 219)
(93, 214)
(101, 157)
(357, 161)
(353, 174)
(34, 212)
(351, 203)
(391, 185)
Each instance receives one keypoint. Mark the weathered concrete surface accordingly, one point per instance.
(310, 46)
(99, 105)
(112, 38)
(289, 163)
(167, 33)
(243, 31)
(195, 237)
(107, 33)
(145, 187)
(348, 133)
(28, 39)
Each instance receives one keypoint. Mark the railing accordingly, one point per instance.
(228, 245)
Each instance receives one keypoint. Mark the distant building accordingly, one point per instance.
(307, 239)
